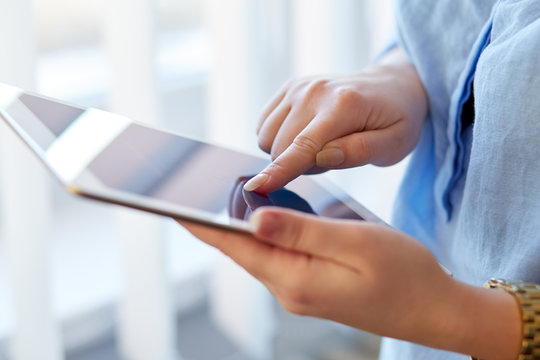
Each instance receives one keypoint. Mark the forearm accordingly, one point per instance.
(481, 322)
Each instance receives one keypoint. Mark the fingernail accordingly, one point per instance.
(331, 157)
(255, 182)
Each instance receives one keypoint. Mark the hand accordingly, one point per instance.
(322, 123)
(348, 271)
(370, 277)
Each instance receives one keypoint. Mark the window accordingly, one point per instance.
(210, 66)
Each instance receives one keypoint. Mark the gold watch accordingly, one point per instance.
(528, 297)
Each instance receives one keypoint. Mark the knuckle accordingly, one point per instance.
(295, 232)
(296, 85)
(291, 234)
(347, 97)
(276, 167)
(307, 144)
(315, 86)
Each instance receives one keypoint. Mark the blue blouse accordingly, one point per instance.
(472, 194)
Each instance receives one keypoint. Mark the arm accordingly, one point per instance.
(321, 123)
(373, 278)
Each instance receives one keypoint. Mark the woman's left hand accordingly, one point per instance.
(348, 271)
(362, 274)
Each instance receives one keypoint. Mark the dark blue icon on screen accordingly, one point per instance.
(242, 203)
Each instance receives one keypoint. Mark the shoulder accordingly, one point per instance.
(507, 77)
(515, 35)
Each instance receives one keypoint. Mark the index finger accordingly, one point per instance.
(296, 159)
(266, 262)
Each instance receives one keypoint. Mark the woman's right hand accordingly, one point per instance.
(320, 123)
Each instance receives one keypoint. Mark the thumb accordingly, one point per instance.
(379, 147)
(304, 233)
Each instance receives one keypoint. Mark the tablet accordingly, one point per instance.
(108, 157)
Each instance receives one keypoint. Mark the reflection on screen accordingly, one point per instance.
(168, 167)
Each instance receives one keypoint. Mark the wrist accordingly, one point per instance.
(486, 323)
(527, 297)
(399, 67)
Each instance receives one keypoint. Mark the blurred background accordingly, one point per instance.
(81, 280)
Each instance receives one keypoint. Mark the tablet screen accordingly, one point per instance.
(111, 158)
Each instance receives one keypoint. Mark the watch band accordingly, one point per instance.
(528, 297)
